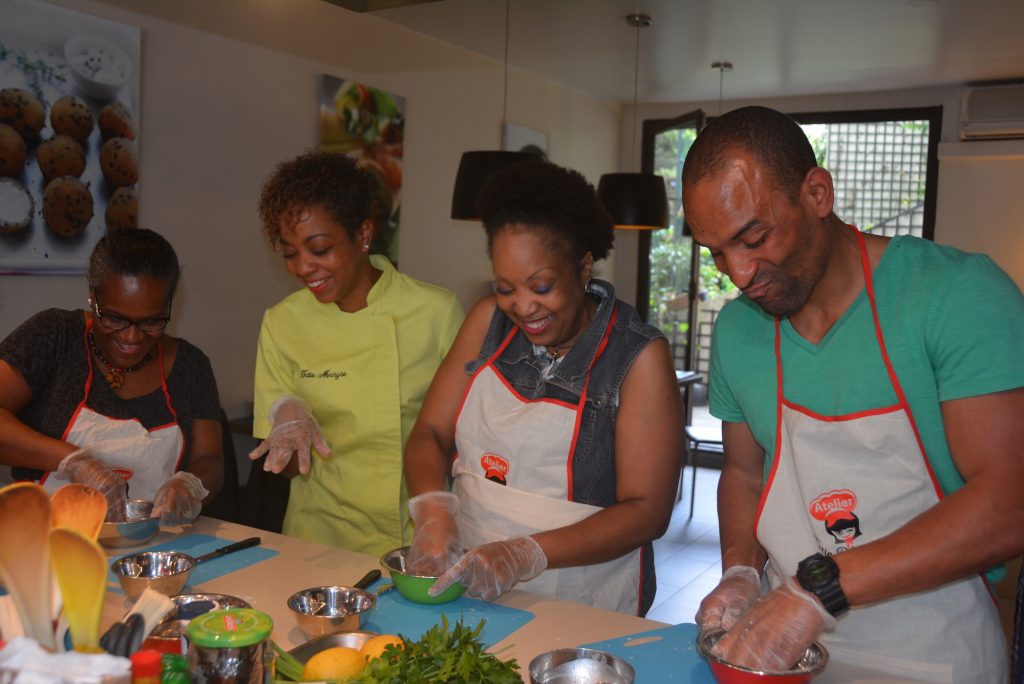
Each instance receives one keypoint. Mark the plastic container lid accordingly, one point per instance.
(231, 628)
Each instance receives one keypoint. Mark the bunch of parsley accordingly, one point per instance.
(446, 653)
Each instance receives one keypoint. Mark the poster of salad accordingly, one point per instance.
(368, 124)
(69, 114)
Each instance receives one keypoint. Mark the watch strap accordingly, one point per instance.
(819, 575)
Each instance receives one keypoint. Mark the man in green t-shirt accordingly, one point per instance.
(871, 392)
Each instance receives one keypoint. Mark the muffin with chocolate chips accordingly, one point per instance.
(116, 122)
(67, 206)
(12, 152)
(118, 163)
(70, 115)
(22, 111)
(122, 209)
(60, 155)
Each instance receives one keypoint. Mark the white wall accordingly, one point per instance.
(230, 87)
(980, 207)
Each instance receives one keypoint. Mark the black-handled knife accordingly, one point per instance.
(368, 579)
(230, 548)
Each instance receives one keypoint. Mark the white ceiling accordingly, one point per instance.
(777, 47)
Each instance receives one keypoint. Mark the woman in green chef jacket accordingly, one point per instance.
(344, 363)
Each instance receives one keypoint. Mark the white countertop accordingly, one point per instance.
(300, 564)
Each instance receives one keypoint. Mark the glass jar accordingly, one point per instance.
(231, 647)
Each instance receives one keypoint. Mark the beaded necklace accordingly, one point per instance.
(115, 375)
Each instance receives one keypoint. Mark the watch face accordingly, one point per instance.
(819, 573)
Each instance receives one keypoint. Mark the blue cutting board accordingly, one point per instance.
(197, 545)
(661, 655)
(395, 614)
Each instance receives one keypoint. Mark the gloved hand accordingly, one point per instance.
(294, 431)
(736, 593)
(84, 468)
(776, 632)
(180, 499)
(436, 543)
(488, 571)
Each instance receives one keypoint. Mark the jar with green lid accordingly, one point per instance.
(231, 647)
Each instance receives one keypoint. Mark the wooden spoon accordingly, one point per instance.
(25, 556)
(81, 568)
(79, 507)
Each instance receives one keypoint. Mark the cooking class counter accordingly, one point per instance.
(297, 564)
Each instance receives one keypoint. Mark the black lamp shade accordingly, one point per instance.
(635, 201)
(475, 170)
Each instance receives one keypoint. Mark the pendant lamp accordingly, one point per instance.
(477, 167)
(636, 201)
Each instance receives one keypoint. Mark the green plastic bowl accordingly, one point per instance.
(414, 587)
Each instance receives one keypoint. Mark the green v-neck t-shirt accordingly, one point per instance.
(953, 325)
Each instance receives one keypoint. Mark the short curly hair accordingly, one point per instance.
(775, 140)
(540, 194)
(328, 180)
(134, 252)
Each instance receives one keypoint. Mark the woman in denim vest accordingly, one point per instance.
(556, 416)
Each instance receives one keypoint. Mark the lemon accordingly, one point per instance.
(375, 646)
(339, 662)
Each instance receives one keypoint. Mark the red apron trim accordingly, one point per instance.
(542, 400)
(870, 286)
(583, 402)
(779, 400)
(844, 417)
(490, 360)
(88, 387)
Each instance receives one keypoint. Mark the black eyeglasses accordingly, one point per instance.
(115, 323)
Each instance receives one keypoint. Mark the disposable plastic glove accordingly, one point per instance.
(84, 468)
(436, 543)
(777, 631)
(294, 431)
(488, 571)
(736, 593)
(180, 499)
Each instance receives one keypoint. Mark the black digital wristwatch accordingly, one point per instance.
(819, 575)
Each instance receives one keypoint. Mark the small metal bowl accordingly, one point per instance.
(813, 661)
(137, 528)
(354, 640)
(580, 666)
(164, 571)
(324, 610)
(414, 587)
(188, 606)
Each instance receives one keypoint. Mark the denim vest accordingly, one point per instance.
(593, 461)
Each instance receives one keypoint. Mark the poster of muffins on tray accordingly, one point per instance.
(69, 113)
(368, 124)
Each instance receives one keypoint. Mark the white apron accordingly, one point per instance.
(144, 458)
(838, 482)
(513, 476)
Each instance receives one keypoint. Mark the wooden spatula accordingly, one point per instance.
(79, 507)
(81, 569)
(25, 556)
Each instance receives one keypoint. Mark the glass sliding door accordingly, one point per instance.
(665, 275)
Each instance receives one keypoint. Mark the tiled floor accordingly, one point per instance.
(687, 558)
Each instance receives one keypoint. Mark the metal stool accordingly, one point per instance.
(698, 437)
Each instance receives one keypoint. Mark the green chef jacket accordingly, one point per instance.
(365, 375)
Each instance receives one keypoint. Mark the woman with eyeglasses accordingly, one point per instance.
(104, 398)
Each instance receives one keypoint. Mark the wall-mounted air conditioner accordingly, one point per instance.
(992, 112)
